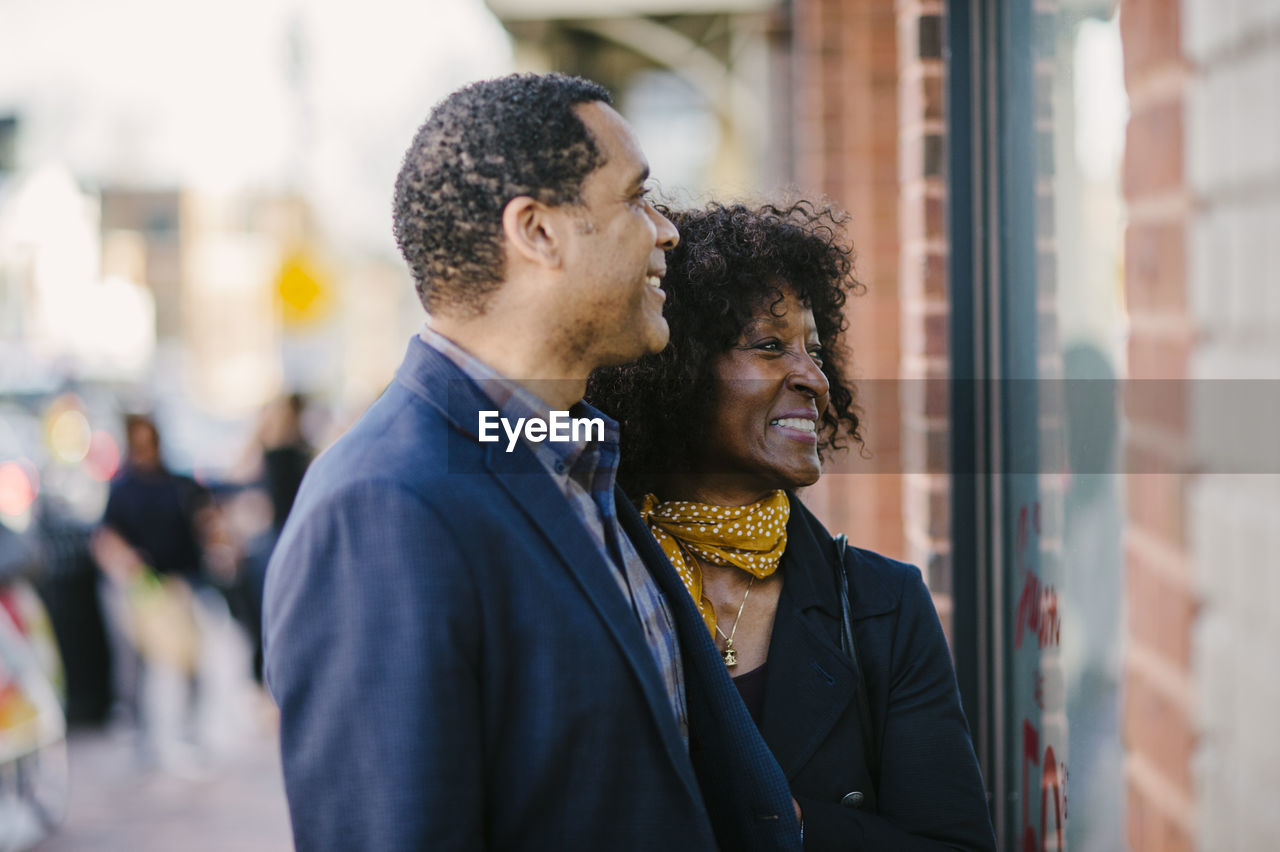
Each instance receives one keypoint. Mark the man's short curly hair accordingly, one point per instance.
(731, 259)
(482, 146)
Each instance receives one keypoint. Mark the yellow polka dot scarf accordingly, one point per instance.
(751, 537)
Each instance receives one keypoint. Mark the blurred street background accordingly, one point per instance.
(229, 797)
(1068, 353)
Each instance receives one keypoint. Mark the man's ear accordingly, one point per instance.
(532, 231)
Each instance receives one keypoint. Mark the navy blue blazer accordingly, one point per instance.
(457, 669)
(929, 793)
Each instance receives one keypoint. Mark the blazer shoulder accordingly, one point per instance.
(401, 441)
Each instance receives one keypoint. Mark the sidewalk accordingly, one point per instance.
(228, 795)
(235, 803)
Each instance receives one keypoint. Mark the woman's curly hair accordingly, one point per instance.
(731, 259)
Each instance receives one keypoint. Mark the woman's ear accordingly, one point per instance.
(532, 232)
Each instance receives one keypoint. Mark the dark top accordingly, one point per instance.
(154, 512)
(751, 688)
(283, 468)
(927, 793)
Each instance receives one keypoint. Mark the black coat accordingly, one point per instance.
(929, 794)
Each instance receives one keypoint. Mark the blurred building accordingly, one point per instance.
(1202, 184)
(705, 84)
(58, 315)
(202, 304)
(209, 263)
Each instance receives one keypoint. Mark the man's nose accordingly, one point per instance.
(668, 236)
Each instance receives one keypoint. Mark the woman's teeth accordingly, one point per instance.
(796, 423)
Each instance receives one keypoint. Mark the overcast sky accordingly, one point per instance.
(241, 93)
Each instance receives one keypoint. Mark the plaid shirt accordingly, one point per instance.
(585, 472)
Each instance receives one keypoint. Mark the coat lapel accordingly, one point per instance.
(808, 687)
(810, 682)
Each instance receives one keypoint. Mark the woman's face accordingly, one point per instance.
(769, 395)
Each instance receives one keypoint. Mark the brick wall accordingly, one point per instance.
(846, 147)
(1231, 121)
(1158, 727)
(925, 365)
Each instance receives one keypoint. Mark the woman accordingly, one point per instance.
(717, 432)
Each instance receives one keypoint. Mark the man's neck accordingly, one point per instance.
(520, 352)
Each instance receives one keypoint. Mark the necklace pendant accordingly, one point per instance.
(730, 656)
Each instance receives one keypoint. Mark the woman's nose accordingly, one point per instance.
(808, 378)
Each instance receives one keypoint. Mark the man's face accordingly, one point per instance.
(144, 447)
(613, 255)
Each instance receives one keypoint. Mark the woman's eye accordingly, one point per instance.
(816, 355)
(769, 345)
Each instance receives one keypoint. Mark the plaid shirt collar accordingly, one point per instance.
(593, 464)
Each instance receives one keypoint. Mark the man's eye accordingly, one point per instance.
(769, 345)
(816, 355)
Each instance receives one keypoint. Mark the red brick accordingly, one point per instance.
(1156, 505)
(1156, 267)
(1153, 150)
(1139, 455)
(1158, 404)
(937, 396)
(940, 511)
(1156, 727)
(1151, 32)
(922, 93)
(926, 450)
(1162, 610)
(935, 274)
(923, 218)
(1163, 357)
(1148, 827)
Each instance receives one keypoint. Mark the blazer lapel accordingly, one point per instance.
(440, 383)
(539, 498)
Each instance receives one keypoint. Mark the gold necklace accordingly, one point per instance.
(729, 654)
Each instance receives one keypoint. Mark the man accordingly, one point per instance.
(474, 642)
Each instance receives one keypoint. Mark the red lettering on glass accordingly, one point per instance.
(1030, 755)
(1037, 612)
(1053, 790)
(1049, 781)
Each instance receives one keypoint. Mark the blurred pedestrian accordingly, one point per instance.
(282, 454)
(468, 650)
(149, 549)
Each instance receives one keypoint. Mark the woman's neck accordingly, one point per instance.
(725, 490)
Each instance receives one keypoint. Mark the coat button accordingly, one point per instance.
(853, 800)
